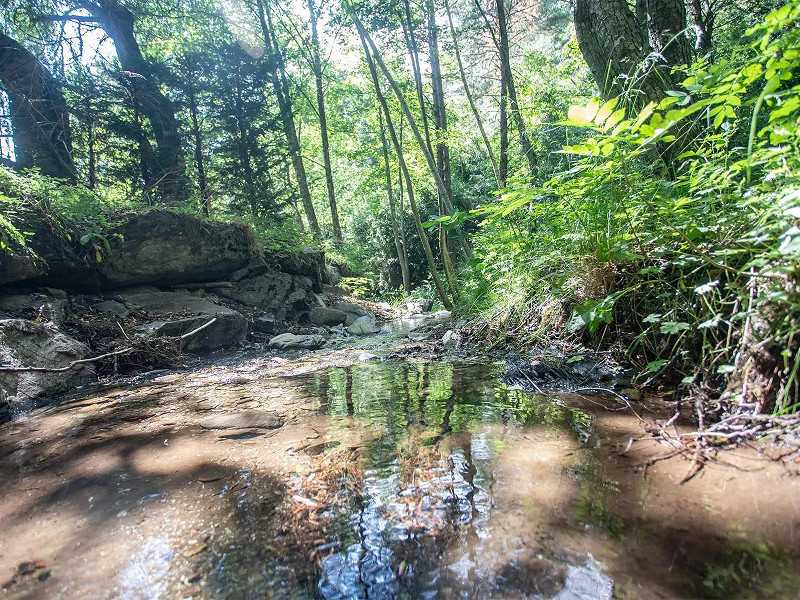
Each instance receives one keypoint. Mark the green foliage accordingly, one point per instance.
(688, 251)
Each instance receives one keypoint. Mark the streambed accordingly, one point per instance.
(316, 476)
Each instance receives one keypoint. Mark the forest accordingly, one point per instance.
(580, 178)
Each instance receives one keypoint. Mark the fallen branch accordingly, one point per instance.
(73, 364)
(199, 329)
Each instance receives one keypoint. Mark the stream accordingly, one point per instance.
(318, 476)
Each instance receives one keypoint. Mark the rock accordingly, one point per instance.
(239, 275)
(29, 344)
(113, 307)
(308, 262)
(20, 265)
(363, 326)
(353, 311)
(264, 323)
(166, 248)
(413, 305)
(58, 250)
(288, 341)
(229, 329)
(368, 356)
(451, 339)
(334, 277)
(326, 316)
(248, 419)
(35, 307)
(442, 315)
(273, 292)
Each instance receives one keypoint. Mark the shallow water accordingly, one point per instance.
(381, 480)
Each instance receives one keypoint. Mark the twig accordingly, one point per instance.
(74, 363)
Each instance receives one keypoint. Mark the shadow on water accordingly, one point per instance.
(473, 489)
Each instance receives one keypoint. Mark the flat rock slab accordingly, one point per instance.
(248, 419)
(288, 341)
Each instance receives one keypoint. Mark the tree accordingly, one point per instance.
(38, 112)
(280, 86)
(626, 53)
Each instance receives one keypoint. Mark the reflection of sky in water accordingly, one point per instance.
(143, 576)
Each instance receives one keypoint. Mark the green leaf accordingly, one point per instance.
(673, 327)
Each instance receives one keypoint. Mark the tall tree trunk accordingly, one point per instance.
(118, 21)
(442, 150)
(503, 168)
(323, 121)
(281, 86)
(402, 255)
(199, 163)
(702, 15)
(413, 53)
(38, 113)
(470, 99)
(404, 168)
(243, 148)
(375, 55)
(666, 28)
(619, 53)
(505, 66)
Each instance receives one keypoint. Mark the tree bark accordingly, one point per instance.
(244, 150)
(118, 22)
(402, 255)
(619, 51)
(442, 150)
(323, 121)
(413, 53)
(403, 167)
(38, 113)
(281, 88)
(505, 66)
(470, 99)
(199, 163)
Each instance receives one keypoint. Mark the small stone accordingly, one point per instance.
(113, 307)
(363, 326)
(632, 394)
(264, 323)
(287, 341)
(367, 356)
(240, 274)
(451, 339)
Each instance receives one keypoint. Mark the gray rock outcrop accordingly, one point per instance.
(166, 248)
(277, 292)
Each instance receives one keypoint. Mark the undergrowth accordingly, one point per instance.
(689, 263)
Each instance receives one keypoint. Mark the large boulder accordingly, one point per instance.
(25, 343)
(53, 254)
(166, 248)
(19, 265)
(363, 326)
(279, 293)
(179, 314)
